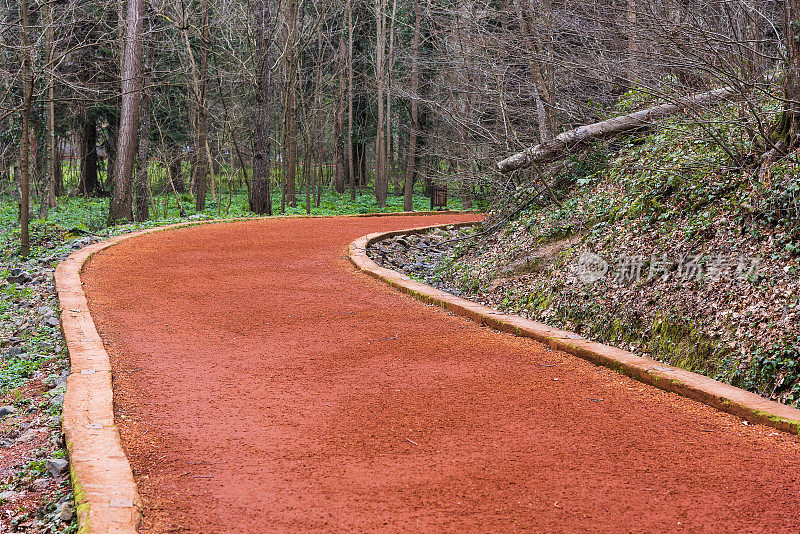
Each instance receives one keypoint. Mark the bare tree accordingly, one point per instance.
(260, 194)
(51, 174)
(25, 138)
(200, 168)
(350, 167)
(120, 205)
(341, 104)
(408, 190)
(381, 171)
(290, 104)
(141, 184)
(788, 128)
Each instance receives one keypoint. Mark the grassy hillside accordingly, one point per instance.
(663, 246)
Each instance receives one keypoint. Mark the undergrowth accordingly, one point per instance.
(673, 190)
(75, 216)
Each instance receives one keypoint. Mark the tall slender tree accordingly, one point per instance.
(25, 137)
(120, 205)
(260, 194)
(350, 164)
(381, 172)
(141, 183)
(389, 145)
(788, 128)
(408, 190)
(200, 166)
(290, 104)
(341, 105)
(51, 173)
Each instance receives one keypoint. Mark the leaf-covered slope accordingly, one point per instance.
(663, 248)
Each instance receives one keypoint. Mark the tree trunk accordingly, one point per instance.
(381, 175)
(49, 193)
(540, 62)
(290, 110)
(120, 206)
(360, 162)
(59, 177)
(350, 164)
(788, 126)
(89, 181)
(308, 174)
(200, 166)
(557, 147)
(317, 141)
(633, 42)
(341, 168)
(408, 190)
(141, 184)
(260, 194)
(466, 195)
(24, 150)
(176, 172)
(391, 143)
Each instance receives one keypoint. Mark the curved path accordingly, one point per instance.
(263, 385)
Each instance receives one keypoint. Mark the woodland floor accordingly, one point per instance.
(263, 384)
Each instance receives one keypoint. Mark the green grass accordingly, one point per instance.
(14, 373)
(75, 216)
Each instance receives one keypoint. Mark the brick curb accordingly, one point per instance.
(724, 397)
(106, 498)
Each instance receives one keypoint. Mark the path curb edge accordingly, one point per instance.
(724, 397)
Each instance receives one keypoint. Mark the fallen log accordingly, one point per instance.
(557, 147)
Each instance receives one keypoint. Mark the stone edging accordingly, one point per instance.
(106, 497)
(724, 397)
(105, 492)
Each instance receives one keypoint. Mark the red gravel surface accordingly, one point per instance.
(262, 384)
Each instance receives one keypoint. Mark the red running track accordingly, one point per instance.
(262, 384)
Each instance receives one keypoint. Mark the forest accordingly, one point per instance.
(146, 103)
(636, 162)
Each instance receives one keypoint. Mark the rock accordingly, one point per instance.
(19, 276)
(65, 513)
(56, 466)
(55, 258)
(62, 380)
(82, 242)
(9, 496)
(6, 410)
(28, 435)
(51, 321)
(12, 352)
(421, 266)
(57, 400)
(41, 483)
(45, 310)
